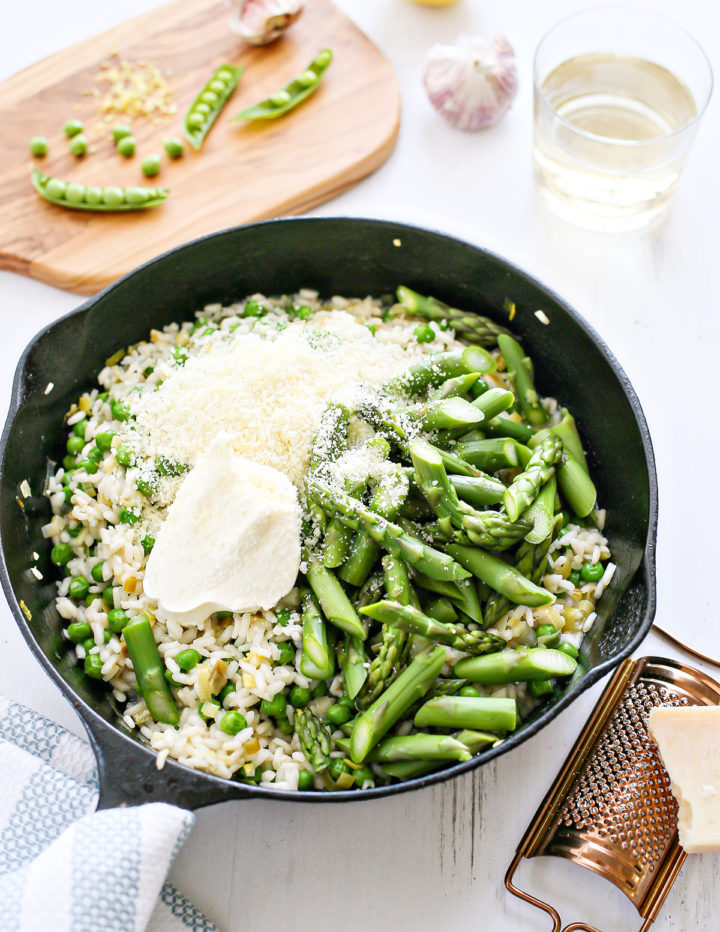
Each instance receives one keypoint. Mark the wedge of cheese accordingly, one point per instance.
(688, 738)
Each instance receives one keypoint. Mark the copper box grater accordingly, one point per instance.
(610, 809)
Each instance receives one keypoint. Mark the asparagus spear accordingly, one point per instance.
(540, 468)
(511, 666)
(577, 486)
(434, 369)
(317, 660)
(407, 769)
(371, 591)
(542, 513)
(314, 737)
(491, 714)
(505, 427)
(473, 641)
(442, 610)
(334, 602)
(150, 670)
(475, 741)
(473, 327)
(386, 501)
(478, 491)
(493, 402)
(419, 747)
(351, 653)
(456, 387)
(356, 515)
(490, 455)
(385, 666)
(519, 368)
(450, 414)
(463, 594)
(392, 704)
(567, 431)
(500, 576)
(331, 438)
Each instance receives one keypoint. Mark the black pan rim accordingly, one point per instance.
(98, 727)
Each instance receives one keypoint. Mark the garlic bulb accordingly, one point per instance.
(470, 83)
(262, 21)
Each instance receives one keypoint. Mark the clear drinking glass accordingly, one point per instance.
(618, 96)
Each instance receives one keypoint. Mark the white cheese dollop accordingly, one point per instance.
(230, 541)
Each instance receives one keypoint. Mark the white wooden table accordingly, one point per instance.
(436, 858)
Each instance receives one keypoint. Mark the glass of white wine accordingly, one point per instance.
(618, 97)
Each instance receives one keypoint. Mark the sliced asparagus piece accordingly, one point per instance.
(473, 327)
(335, 604)
(519, 369)
(149, 670)
(419, 747)
(500, 576)
(542, 513)
(478, 491)
(511, 666)
(317, 660)
(484, 714)
(456, 387)
(434, 369)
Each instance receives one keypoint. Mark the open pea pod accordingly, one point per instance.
(292, 94)
(206, 107)
(76, 196)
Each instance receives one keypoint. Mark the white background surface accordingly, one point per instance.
(416, 861)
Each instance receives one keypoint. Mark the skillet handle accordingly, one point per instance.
(128, 774)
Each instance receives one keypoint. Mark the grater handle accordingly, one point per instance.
(550, 910)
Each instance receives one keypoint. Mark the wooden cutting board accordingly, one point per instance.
(244, 172)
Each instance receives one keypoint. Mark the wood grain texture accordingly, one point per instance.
(244, 172)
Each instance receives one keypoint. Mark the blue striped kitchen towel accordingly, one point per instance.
(65, 867)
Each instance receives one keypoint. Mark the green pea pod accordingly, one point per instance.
(206, 107)
(288, 97)
(84, 197)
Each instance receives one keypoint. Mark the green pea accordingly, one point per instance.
(287, 652)
(592, 572)
(150, 166)
(124, 455)
(56, 189)
(107, 635)
(574, 577)
(74, 531)
(275, 707)
(300, 696)
(253, 309)
(336, 767)
(68, 462)
(217, 86)
(195, 120)
(209, 97)
(147, 543)
(306, 78)
(548, 635)
(187, 659)
(73, 128)
(113, 197)
(78, 146)
(93, 195)
(279, 98)
(469, 692)
(424, 333)
(74, 444)
(203, 109)
(283, 724)
(120, 409)
(68, 494)
(79, 631)
(79, 587)
(128, 516)
(322, 59)
(319, 690)
(283, 617)
(126, 146)
(232, 722)
(339, 714)
(108, 595)
(61, 554)
(89, 599)
(75, 193)
(102, 396)
(136, 195)
(95, 455)
(38, 146)
(306, 781)
(541, 688)
(120, 131)
(93, 666)
(79, 428)
(173, 147)
(88, 644)
(171, 679)
(224, 74)
(117, 619)
(362, 775)
(103, 440)
(226, 691)
(146, 487)
(97, 571)
(347, 702)
(87, 466)
(567, 648)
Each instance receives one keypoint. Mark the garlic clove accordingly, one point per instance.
(471, 83)
(260, 22)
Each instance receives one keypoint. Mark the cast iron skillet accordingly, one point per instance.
(336, 256)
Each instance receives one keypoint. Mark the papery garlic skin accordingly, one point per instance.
(260, 22)
(471, 83)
